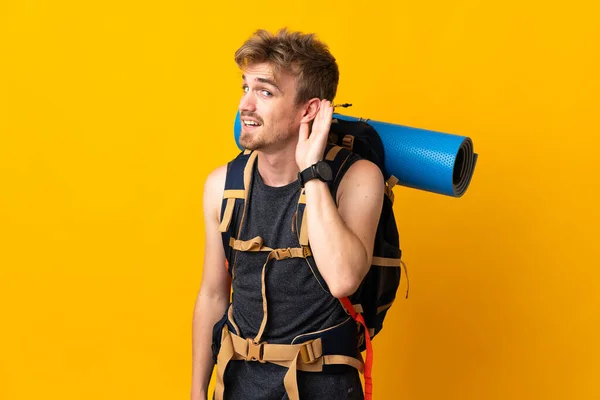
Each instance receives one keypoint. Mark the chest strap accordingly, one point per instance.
(256, 244)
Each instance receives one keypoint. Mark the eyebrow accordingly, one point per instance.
(267, 81)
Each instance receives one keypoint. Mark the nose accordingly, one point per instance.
(247, 103)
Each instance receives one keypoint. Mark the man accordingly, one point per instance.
(289, 81)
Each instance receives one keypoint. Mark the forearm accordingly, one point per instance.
(338, 252)
(207, 311)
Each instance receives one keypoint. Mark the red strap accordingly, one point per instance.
(369, 361)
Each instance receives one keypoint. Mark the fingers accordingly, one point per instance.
(323, 119)
(325, 110)
(320, 124)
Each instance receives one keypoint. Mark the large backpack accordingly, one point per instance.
(378, 290)
(375, 295)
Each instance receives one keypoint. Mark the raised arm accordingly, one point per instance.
(341, 238)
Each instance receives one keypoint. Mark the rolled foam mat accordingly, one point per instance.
(421, 159)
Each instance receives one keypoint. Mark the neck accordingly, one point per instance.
(280, 168)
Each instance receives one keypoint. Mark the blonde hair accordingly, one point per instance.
(300, 55)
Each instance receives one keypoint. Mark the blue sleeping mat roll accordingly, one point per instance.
(426, 160)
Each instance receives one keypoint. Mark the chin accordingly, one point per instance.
(248, 144)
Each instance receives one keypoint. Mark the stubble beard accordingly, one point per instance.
(263, 139)
(253, 141)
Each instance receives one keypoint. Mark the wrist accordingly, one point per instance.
(306, 165)
(314, 183)
(320, 171)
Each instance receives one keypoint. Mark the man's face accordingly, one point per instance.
(269, 115)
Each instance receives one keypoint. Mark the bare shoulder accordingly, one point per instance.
(214, 185)
(363, 180)
(215, 279)
(360, 200)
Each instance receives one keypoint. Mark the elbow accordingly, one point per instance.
(341, 292)
(344, 287)
(348, 279)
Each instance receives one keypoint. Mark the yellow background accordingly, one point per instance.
(112, 114)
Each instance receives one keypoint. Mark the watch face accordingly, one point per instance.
(324, 170)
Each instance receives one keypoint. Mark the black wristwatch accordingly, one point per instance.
(320, 170)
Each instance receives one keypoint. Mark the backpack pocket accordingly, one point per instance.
(216, 337)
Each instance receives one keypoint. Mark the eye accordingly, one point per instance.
(266, 93)
(245, 88)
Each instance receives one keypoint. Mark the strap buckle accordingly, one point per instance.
(307, 353)
(255, 351)
(306, 251)
(282, 254)
(348, 142)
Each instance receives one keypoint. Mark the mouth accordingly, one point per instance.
(251, 123)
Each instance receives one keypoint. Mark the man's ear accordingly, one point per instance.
(310, 110)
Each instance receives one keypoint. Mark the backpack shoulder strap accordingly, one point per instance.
(339, 160)
(237, 186)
